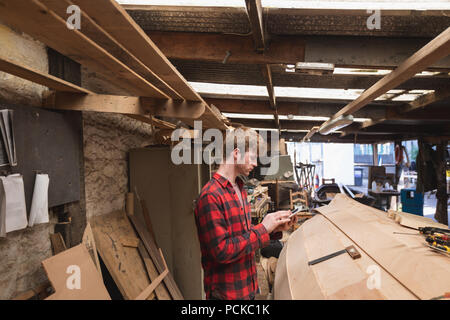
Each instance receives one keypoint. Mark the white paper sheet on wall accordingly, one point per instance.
(15, 209)
(39, 204)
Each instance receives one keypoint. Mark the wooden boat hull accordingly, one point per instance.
(392, 266)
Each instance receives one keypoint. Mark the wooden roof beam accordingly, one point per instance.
(294, 108)
(186, 111)
(93, 31)
(115, 20)
(214, 47)
(35, 19)
(400, 113)
(255, 15)
(38, 77)
(435, 50)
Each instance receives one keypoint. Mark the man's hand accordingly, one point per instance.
(293, 220)
(277, 220)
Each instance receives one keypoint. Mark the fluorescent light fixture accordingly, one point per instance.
(378, 72)
(314, 68)
(335, 124)
(248, 116)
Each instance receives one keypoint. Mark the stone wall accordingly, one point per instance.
(107, 140)
(22, 251)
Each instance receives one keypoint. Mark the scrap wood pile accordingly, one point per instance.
(127, 247)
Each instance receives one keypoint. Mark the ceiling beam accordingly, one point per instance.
(115, 20)
(247, 74)
(353, 52)
(144, 106)
(214, 47)
(335, 138)
(35, 19)
(268, 124)
(360, 52)
(255, 15)
(425, 100)
(38, 77)
(401, 112)
(436, 49)
(294, 108)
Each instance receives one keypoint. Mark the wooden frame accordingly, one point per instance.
(300, 196)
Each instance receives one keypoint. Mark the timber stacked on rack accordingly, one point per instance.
(391, 266)
(111, 44)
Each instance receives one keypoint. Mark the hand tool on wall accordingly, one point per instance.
(351, 250)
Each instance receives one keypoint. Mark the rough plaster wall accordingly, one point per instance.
(22, 49)
(107, 140)
(22, 251)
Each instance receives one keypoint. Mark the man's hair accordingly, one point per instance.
(243, 138)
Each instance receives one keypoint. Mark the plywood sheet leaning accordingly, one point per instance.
(414, 221)
(73, 275)
(423, 272)
(123, 263)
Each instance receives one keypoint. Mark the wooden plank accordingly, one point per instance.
(132, 242)
(414, 221)
(125, 104)
(161, 290)
(35, 19)
(213, 47)
(154, 254)
(255, 15)
(38, 77)
(93, 31)
(123, 263)
(285, 124)
(89, 242)
(116, 21)
(267, 75)
(399, 113)
(155, 283)
(152, 286)
(425, 100)
(58, 244)
(436, 49)
(70, 263)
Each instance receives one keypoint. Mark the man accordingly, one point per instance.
(228, 240)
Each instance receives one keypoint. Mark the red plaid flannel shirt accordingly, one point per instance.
(228, 241)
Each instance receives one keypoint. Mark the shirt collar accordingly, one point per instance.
(224, 181)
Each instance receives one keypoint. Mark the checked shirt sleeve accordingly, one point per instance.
(214, 229)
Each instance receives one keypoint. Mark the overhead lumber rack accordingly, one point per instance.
(109, 24)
